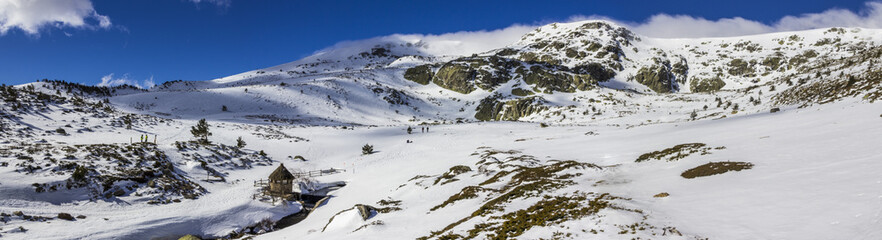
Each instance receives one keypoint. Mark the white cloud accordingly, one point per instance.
(681, 26)
(458, 43)
(31, 16)
(109, 81)
(684, 26)
(659, 25)
(466, 42)
(221, 3)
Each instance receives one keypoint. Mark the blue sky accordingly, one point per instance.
(140, 41)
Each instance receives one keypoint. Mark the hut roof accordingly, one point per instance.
(281, 173)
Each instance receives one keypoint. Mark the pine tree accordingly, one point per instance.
(200, 131)
(367, 149)
(240, 143)
(409, 130)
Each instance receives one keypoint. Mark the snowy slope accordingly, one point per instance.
(570, 73)
(572, 132)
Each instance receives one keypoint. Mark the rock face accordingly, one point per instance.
(658, 78)
(464, 75)
(493, 109)
(550, 79)
(421, 74)
(706, 84)
(455, 77)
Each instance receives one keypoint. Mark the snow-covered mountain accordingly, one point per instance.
(577, 130)
(559, 73)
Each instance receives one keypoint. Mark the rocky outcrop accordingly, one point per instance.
(658, 78)
(421, 74)
(455, 77)
(706, 84)
(464, 75)
(494, 109)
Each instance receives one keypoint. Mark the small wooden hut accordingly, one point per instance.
(281, 182)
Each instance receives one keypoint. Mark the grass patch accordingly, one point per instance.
(714, 168)
(389, 206)
(466, 193)
(677, 152)
(450, 175)
(525, 182)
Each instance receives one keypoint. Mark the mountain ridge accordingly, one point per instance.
(554, 69)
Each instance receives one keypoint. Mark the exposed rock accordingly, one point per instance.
(65, 216)
(491, 109)
(706, 84)
(740, 68)
(421, 74)
(464, 75)
(658, 78)
(521, 92)
(455, 77)
(189, 237)
(365, 211)
(680, 70)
